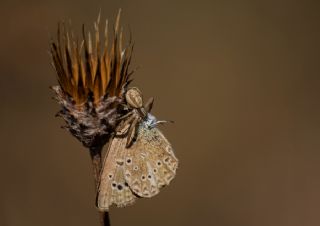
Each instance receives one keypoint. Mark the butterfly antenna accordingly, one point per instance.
(162, 122)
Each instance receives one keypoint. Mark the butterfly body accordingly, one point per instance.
(139, 169)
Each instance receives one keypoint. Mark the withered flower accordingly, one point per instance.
(92, 79)
(91, 82)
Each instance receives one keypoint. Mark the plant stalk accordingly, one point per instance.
(95, 153)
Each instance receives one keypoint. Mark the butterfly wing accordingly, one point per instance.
(113, 189)
(150, 162)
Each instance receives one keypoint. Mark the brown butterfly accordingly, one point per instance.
(139, 161)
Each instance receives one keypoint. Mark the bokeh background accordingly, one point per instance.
(239, 78)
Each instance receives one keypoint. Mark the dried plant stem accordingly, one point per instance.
(95, 154)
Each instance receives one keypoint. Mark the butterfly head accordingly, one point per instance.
(151, 121)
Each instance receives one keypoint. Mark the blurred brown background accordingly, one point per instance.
(241, 80)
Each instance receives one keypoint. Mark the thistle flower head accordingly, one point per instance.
(92, 78)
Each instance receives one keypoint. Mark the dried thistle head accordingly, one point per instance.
(92, 81)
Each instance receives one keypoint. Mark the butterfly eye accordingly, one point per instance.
(149, 176)
(155, 170)
(159, 163)
(135, 168)
(119, 187)
(110, 176)
(114, 185)
(143, 177)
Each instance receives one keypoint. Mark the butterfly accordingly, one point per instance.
(139, 160)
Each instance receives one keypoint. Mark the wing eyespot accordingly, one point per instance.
(129, 161)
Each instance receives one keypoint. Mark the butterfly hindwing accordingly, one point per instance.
(150, 162)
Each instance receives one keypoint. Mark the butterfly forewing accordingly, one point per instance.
(113, 189)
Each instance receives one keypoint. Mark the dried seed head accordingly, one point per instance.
(92, 81)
